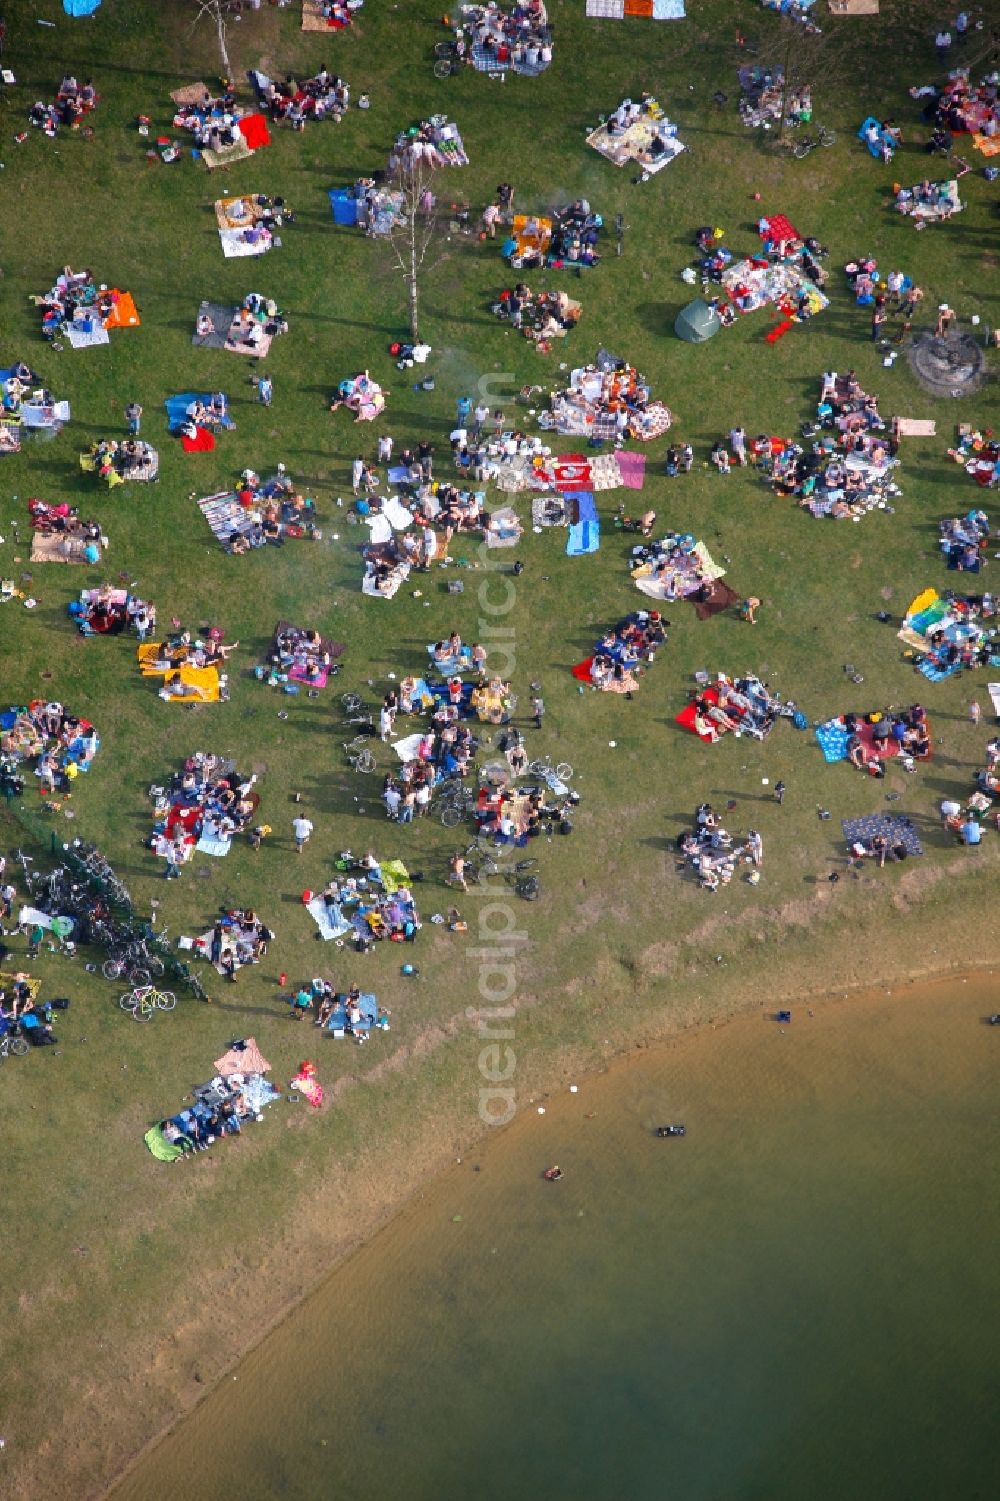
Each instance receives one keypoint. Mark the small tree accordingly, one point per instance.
(414, 240)
(218, 12)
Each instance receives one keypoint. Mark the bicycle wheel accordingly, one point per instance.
(19, 1047)
(525, 865)
(443, 67)
(166, 1000)
(528, 888)
(140, 977)
(801, 149)
(366, 762)
(112, 969)
(827, 137)
(127, 1001)
(539, 768)
(486, 869)
(451, 815)
(155, 965)
(143, 1010)
(564, 771)
(351, 703)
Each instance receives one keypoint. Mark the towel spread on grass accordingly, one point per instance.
(895, 827)
(222, 316)
(585, 532)
(244, 1059)
(719, 597)
(163, 1151)
(633, 470)
(329, 919)
(55, 547)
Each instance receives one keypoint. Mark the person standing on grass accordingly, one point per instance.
(910, 301)
(755, 848)
(943, 44)
(878, 319)
(779, 793)
(749, 609)
(480, 416)
(175, 857)
(537, 710)
(463, 411)
(492, 216)
(302, 829)
(738, 443)
(961, 26)
(265, 390)
(357, 473)
(975, 712)
(385, 449)
(133, 416)
(425, 455)
(505, 198)
(407, 806)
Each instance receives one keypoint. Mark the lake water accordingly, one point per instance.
(797, 1300)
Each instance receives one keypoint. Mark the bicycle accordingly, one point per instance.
(13, 1045)
(557, 778)
(360, 757)
(456, 803)
(447, 59)
(823, 137)
(145, 1000)
(351, 702)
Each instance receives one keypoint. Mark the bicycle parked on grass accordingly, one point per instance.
(13, 1045)
(145, 1000)
(556, 777)
(360, 757)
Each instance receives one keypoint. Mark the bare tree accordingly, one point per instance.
(218, 12)
(415, 241)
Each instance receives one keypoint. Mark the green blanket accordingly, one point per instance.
(394, 875)
(163, 1151)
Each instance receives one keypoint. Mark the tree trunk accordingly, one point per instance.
(414, 325)
(220, 21)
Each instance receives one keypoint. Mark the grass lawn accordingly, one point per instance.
(119, 1279)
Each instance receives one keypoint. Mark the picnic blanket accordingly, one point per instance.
(585, 532)
(85, 335)
(718, 597)
(832, 739)
(191, 93)
(222, 315)
(244, 1057)
(204, 679)
(329, 919)
(211, 843)
(367, 1005)
(504, 529)
(549, 510)
(163, 1151)
(632, 468)
(895, 827)
(916, 427)
(124, 313)
(225, 155)
(56, 547)
(400, 573)
(177, 407)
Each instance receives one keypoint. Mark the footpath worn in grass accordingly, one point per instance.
(121, 1275)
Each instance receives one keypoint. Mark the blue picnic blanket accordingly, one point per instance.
(832, 739)
(585, 533)
(368, 1005)
(177, 408)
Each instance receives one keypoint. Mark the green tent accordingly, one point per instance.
(697, 322)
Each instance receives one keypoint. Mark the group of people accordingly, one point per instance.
(322, 97)
(108, 611)
(60, 744)
(300, 653)
(609, 400)
(376, 904)
(966, 820)
(73, 297)
(633, 642)
(847, 471)
(72, 103)
(118, 460)
(429, 143)
(238, 937)
(519, 38)
(540, 316)
(905, 733)
(712, 853)
(737, 706)
(965, 541)
(208, 800)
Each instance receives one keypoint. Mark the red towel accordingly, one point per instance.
(204, 443)
(780, 228)
(582, 670)
(253, 129)
(779, 331)
(571, 472)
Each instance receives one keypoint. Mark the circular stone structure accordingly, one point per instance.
(950, 365)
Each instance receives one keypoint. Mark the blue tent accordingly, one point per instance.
(80, 7)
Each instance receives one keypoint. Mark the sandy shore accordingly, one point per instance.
(409, 1163)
